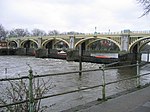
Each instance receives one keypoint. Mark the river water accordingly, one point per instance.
(11, 66)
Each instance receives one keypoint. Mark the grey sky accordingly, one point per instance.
(73, 15)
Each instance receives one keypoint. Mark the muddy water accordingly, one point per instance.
(11, 66)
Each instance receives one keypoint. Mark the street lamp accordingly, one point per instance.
(95, 33)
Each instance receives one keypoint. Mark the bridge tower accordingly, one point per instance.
(72, 40)
(125, 40)
(39, 42)
(125, 54)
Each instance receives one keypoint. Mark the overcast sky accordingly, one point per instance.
(73, 15)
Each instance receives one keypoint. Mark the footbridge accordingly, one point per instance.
(125, 40)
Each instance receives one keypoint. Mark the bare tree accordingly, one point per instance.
(19, 91)
(53, 32)
(71, 33)
(38, 32)
(146, 6)
(19, 33)
(3, 32)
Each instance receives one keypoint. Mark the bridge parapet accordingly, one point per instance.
(84, 34)
(141, 32)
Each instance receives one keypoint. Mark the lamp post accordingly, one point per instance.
(95, 33)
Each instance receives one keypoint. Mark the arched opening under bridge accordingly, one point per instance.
(140, 46)
(29, 44)
(99, 44)
(55, 43)
(13, 44)
(137, 45)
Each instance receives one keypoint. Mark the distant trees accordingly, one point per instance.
(146, 6)
(3, 32)
(19, 33)
(53, 32)
(38, 32)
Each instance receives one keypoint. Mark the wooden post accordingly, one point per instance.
(31, 100)
(148, 56)
(80, 60)
(138, 75)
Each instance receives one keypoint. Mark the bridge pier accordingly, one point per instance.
(72, 40)
(73, 55)
(7, 51)
(41, 53)
(30, 51)
(129, 57)
(126, 55)
(125, 40)
(25, 51)
(21, 51)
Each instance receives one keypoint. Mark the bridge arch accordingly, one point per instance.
(143, 44)
(132, 45)
(13, 44)
(83, 40)
(96, 39)
(31, 43)
(51, 39)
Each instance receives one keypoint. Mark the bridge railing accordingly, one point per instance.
(141, 32)
(82, 34)
(103, 68)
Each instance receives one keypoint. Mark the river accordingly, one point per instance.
(11, 66)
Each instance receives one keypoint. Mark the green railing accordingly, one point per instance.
(103, 68)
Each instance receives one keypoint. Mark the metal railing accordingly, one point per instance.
(103, 68)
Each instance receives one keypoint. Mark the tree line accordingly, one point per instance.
(19, 32)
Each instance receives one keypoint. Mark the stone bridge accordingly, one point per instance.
(126, 40)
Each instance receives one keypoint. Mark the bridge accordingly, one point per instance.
(126, 40)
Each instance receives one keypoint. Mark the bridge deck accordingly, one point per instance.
(137, 101)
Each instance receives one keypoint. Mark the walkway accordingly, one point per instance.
(138, 101)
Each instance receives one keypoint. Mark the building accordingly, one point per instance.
(3, 44)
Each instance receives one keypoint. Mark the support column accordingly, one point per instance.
(125, 55)
(18, 43)
(40, 42)
(53, 44)
(125, 40)
(72, 38)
